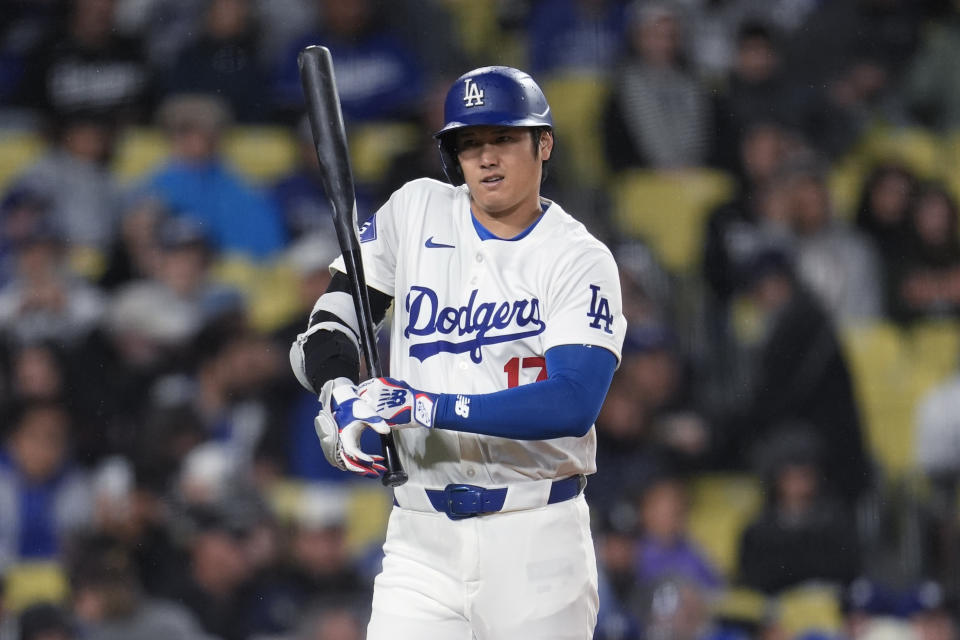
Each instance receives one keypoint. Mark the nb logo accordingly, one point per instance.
(462, 407)
(599, 311)
(472, 94)
(396, 398)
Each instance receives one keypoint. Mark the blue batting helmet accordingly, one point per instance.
(489, 96)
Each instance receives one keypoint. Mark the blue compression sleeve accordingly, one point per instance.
(565, 404)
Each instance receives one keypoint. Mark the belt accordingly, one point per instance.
(460, 501)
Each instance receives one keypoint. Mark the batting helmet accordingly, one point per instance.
(489, 96)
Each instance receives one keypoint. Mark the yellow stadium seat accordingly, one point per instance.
(741, 604)
(721, 505)
(669, 210)
(951, 160)
(480, 35)
(918, 148)
(374, 145)
(271, 289)
(19, 148)
(367, 514)
(809, 608)
(261, 153)
(28, 583)
(576, 102)
(883, 374)
(935, 347)
(845, 181)
(367, 510)
(139, 151)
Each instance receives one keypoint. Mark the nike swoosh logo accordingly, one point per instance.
(430, 244)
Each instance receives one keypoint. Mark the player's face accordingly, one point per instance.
(501, 168)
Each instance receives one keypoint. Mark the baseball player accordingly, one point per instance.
(506, 332)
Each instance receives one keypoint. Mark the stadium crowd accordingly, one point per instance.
(778, 453)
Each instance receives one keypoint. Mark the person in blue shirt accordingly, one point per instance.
(196, 182)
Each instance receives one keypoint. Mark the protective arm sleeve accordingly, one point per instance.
(332, 352)
(565, 404)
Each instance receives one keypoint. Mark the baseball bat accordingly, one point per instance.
(330, 141)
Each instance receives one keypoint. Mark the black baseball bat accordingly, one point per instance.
(330, 141)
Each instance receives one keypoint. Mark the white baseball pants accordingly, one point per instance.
(524, 575)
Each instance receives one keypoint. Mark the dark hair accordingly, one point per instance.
(752, 29)
(44, 618)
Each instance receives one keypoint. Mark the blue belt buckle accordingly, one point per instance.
(463, 500)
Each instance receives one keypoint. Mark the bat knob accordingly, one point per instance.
(394, 478)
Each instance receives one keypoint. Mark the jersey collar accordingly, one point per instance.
(485, 233)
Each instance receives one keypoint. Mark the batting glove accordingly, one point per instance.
(398, 403)
(343, 417)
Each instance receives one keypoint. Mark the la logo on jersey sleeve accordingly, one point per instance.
(599, 313)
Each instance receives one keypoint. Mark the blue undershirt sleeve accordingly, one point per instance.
(565, 404)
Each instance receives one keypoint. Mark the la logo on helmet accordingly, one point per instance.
(472, 94)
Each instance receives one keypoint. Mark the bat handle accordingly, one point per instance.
(394, 475)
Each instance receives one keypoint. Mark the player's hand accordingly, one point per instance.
(343, 417)
(398, 403)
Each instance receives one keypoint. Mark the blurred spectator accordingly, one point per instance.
(22, 210)
(734, 229)
(224, 61)
(179, 294)
(616, 541)
(647, 288)
(937, 432)
(883, 215)
(44, 300)
(44, 499)
(378, 76)
(43, 371)
(926, 278)
(214, 586)
(135, 252)
(836, 37)
(800, 373)
(301, 197)
(422, 161)
(164, 27)
(757, 93)
(657, 116)
(74, 176)
(197, 183)
(677, 608)
(317, 566)
(714, 27)
(929, 82)
(331, 623)
(836, 262)
(26, 23)
(281, 22)
(575, 36)
(664, 549)
(88, 67)
(46, 621)
(109, 603)
(648, 419)
(853, 53)
(228, 387)
(803, 534)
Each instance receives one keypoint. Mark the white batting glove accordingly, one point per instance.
(398, 403)
(343, 417)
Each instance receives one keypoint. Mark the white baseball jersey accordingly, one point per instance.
(477, 316)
